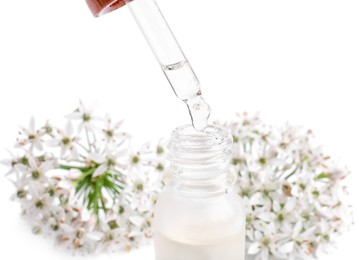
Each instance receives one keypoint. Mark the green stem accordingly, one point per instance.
(83, 147)
(292, 173)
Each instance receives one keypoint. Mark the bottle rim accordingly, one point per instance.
(200, 161)
(186, 138)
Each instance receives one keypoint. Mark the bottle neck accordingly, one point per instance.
(200, 161)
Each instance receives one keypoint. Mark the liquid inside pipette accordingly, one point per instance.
(187, 87)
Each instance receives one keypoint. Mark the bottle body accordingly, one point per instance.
(199, 229)
(199, 216)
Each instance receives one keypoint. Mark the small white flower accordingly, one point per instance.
(265, 244)
(36, 170)
(299, 241)
(66, 140)
(109, 160)
(85, 116)
(21, 185)
(112, 133)
(30, 136)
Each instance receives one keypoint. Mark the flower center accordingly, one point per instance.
(35, 175)
(86, 117)
(66, 141)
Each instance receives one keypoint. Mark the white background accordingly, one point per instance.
(295, 61)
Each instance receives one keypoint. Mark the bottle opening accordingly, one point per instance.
(212, 138)
(200, 155)
(200, 161)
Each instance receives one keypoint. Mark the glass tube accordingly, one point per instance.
(156, 31)
(171, 58)
(166, 49)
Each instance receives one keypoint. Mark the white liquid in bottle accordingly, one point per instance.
(227, 248)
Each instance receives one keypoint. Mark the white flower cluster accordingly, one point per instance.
(293, 193)
(88, 188)
(93, 192)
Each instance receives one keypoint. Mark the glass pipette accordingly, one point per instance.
(167, 51)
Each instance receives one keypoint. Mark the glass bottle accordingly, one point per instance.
(199, 216)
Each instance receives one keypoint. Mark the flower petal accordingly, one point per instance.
(254, 248)
(266, 216)
(287, 247)
(100, 171)
(96, 157)
(137, 220)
